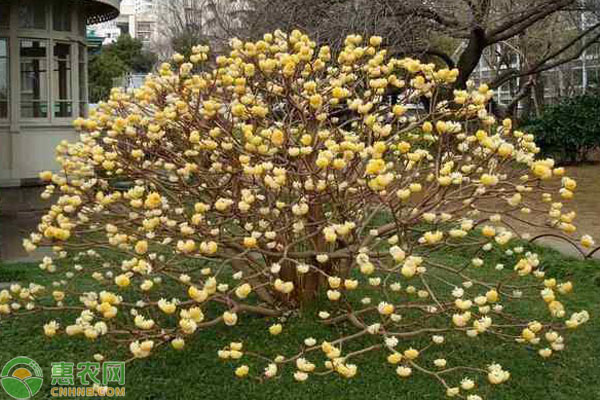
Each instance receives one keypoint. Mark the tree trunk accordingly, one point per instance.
(470, 57)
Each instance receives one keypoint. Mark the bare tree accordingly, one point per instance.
(185, 23)
(544, 34)
(181, 25)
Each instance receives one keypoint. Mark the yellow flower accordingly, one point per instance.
(375, 40)
(403, 372)
(178, 343)
(394, 358)
(488, 231)
(333, 295)
(411, 354)
(489, 180)
(243, 290)
(188, 326)
(440, 362)
(542, 170)
(385, 308)
(166, 306)
(587, 241)
(316, 101)
(427, 127)
(492, 296)
(300, 376)
(441, 126)
(350, 284)
(375, 166)
(57, 294)
(284, 287)
(50, 328)
(209, 248)
(528, 334)
(141, 350)
(230, 318)
(566, 194)
(433, 237)
(505, 149)
(242, 371)
(275, 329)
(141, 247)
(122, 280)
(187, 246)
(153, 200)
(565, 287)
(339, 93)
(250, 242)
(277, 137)
(367, 268)
(545, 353)
(569, 184)
(46, 176)
(334, 282)
(197, 295)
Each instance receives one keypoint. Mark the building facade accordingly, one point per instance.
(575, 77)
(137, 18)
(43, 79)
(156, 22)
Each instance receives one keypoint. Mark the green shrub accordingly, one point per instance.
(569, 131)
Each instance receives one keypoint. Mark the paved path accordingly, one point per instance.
(587, 206)
(20, 212)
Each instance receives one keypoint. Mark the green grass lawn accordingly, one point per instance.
(196, 373)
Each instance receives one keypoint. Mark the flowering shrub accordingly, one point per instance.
(286, 175)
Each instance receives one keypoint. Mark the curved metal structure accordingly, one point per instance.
(101, 10)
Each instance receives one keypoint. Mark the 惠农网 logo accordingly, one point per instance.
(21, 378)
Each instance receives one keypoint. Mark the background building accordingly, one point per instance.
(578, 75)
(43, 79)
(138, 18)
(159, 22)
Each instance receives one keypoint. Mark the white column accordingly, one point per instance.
(584, 77)
(132, 27)
(14, 67)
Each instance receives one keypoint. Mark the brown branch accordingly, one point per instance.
(515, 26)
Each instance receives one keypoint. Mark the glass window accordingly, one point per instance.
(61, 16)
(32, 15)
(34, 78)
(61, 80)
(4, 14)
(83, 91)
(123, 27)
(4, 78)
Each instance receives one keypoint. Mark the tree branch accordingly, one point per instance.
(515, 26)
(540, 65)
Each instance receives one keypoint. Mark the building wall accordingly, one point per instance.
(47, 84)
(24, 154)
(570, 79)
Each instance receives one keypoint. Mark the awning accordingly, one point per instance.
(101, 10)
